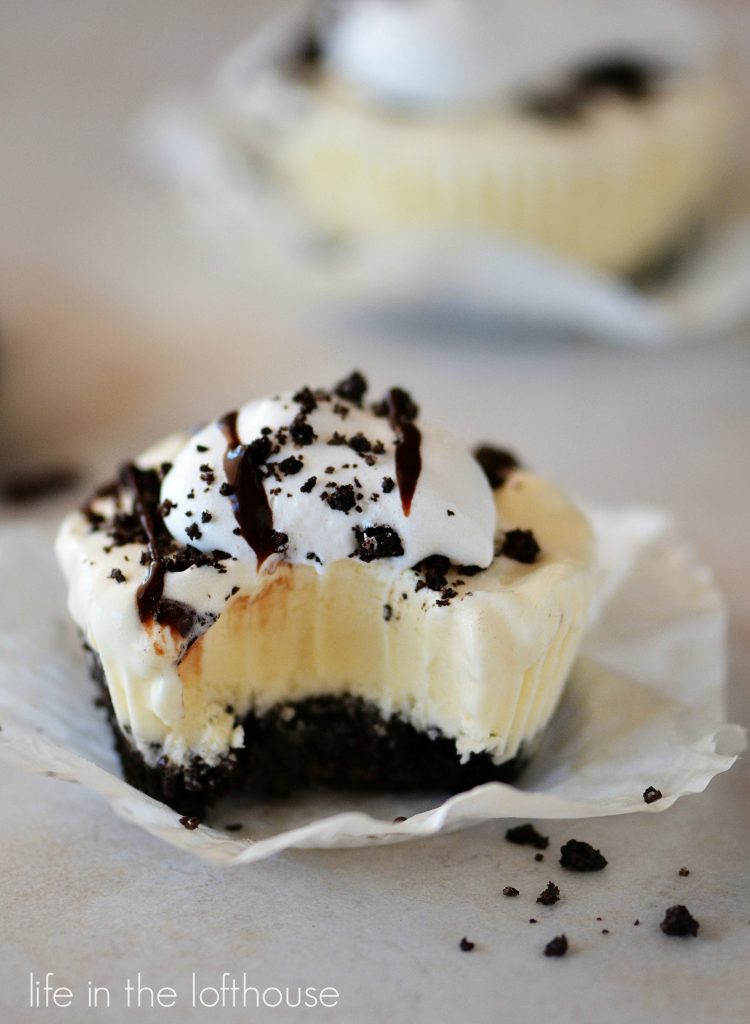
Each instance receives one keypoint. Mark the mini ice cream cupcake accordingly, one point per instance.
(315, 588)
(595, 130)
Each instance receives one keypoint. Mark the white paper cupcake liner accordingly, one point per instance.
(644, 707)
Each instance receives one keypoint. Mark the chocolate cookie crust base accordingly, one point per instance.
(341, 741)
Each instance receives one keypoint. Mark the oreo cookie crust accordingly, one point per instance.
(327, 740)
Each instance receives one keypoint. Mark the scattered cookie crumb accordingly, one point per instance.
(538, 856)
(527, 835)
(465, 945)
(579, 856)
(679, 921)
(557, 946)
(683, 872)
(549, 896)
(190, 823)
(510, 890)
(651, 795)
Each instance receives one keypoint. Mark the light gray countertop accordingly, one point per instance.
(103, 290)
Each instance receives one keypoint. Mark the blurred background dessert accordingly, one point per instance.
(595, 131)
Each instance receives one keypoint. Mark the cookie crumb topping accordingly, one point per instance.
(521, 546)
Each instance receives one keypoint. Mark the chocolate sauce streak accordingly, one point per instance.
(249, 499)
(145, 505)
(152, 605)
(401, 413)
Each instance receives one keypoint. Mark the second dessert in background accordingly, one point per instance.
(595, 129)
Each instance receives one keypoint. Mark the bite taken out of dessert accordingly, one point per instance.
(317, 588)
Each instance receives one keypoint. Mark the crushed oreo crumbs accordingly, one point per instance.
(496, 463)
(579, 856)
(557, 946)
(521, 546)
(375, 542)
(678, 921)
(527, 835)
(549, 896)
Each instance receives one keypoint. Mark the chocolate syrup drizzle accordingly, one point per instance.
(152, 605)
(150, 591)
(408, 447)
(249, 500)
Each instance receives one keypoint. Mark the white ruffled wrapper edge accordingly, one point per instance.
(644, 707)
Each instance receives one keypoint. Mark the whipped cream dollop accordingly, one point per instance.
(459, 52)
(312, 477)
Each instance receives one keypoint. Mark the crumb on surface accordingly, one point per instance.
(557, 946)
(678, 921)
(527, 835)
(549, 896)
(576, 855)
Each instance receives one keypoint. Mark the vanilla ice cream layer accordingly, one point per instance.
(612, 188)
